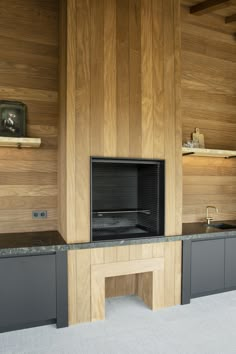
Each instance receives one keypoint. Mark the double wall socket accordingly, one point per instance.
(39, 214)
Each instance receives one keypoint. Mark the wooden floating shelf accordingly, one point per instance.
(208, 152)
(20, 142)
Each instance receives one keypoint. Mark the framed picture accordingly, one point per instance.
(12, 119)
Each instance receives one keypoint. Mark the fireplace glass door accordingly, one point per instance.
(127, 198)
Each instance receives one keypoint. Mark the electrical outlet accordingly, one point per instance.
(39, 214)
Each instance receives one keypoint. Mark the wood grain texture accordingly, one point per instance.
(135, 91)
(83, 111)
(127, 95)
(29, 73)
(208, 103)
(110, 78)
(79, 283)
(170, 116)
(151, 271)
(208, 6)
(147, 82)
(123, 80)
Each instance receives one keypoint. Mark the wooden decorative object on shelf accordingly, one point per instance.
(20, 142)
(198, 138)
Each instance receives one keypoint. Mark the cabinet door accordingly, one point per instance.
(207, 267)
(230, 262)
(28, 290)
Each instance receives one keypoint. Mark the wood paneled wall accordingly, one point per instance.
(209, 103)
(29, 73)
(82, 264)
(122, 72)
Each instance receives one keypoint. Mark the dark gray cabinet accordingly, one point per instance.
(207, 266)
(230, 263)
(33, 291)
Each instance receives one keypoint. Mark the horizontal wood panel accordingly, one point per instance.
(211, 180)
(28, 166)
(29, 73)
(27, 190)
(30, 178)
(23, 215)
(9, 154)
(29, 226)
(209, 189)
(210, 49)
(208, 103)
(39, 203)
(209, 199)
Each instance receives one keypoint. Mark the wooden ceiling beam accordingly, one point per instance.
(230, 19)
(209, 6)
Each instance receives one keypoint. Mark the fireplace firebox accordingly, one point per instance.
(127, 198)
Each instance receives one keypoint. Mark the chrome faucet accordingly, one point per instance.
(210, 218)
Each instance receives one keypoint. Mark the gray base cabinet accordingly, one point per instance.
(230, 263)
(209, 267)
(31, 292)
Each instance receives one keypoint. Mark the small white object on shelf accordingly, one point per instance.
(208, 152)
(198, 138)
(20, 142)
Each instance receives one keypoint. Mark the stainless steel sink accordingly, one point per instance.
(221, 226)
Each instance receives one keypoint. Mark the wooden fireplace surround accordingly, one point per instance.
(151, 271)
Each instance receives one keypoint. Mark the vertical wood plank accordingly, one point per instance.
(158, 250)
(135, 118)
(147, 84)
(97, 256)
(141, 251)
(178, 272)
(120, 286)
(62, 153)
(123, 253)
(169, 115)
(71, 118)
(110, 254)
(97, 296)
(82, 157)
(178, 120)
(110, 135)
(135, 252)
(169, 274)
(147, 251)
(79, 279)
(158, 80)
(158, 289)
(145, 288)
(123, 78)
(97, 78)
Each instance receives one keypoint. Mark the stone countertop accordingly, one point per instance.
(191, 231)
(51, 241)
(31, 243)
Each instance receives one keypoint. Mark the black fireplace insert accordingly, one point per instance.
(127, 198)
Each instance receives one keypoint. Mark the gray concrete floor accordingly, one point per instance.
(207, 325)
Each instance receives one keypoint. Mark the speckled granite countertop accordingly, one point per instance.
(31, 243)
(51, 241)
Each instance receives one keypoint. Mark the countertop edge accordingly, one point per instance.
(103, 244)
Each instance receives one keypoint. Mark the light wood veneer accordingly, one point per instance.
(120, 64)
(29, 73)
(156, 279)
(208, 103)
